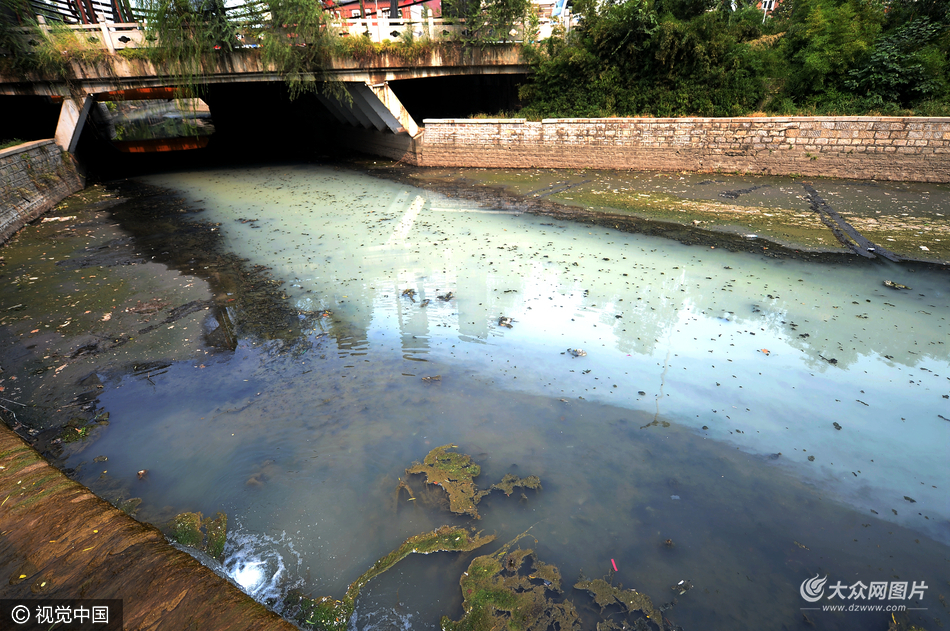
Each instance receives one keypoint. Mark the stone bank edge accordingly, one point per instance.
(862, 147)
(34, 177)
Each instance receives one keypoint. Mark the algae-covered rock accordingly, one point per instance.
(329, 614)
(455, 473)
(186, 529)
(630, 600)
(217, 530)
(513, 590)
(129, 506)
(205, 534)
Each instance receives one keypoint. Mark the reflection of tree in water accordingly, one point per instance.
(251, 301)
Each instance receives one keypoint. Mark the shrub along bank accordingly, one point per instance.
(668, 58)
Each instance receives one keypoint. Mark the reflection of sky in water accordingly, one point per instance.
(687, 325)
(767, 354)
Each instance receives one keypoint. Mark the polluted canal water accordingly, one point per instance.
(710, 428)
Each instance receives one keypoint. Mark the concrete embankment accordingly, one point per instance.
(34, 177)
(58, 540)
(863, 147)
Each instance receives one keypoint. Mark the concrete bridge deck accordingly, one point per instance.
(117, 72)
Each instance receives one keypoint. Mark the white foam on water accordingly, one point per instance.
(258, 563)
(382, 619)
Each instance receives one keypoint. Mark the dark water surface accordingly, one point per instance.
(706, 410)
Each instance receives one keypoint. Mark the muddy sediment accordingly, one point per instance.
(774, 218)
(122, 281)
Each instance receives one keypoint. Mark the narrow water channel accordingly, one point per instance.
(739, 422)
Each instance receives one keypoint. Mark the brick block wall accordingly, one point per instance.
(882, 148)
(34, 177)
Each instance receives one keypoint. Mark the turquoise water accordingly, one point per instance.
(706, 410)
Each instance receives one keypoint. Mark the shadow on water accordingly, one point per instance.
(739, 422)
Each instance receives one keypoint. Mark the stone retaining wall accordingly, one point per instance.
(881, 148)
(34, 177)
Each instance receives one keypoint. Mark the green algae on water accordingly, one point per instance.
(630, 600)
(513, 590)
(510, 482)
(329, 614)
(456, 474)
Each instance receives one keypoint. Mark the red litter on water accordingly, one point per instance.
(614, 563)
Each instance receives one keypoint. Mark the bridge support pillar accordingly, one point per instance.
(389, 100)
(72, 117)
(372, 106)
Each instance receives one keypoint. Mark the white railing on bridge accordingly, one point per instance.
(116, 36)
(111, 35)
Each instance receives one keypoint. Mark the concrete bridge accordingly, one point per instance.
(368, 103)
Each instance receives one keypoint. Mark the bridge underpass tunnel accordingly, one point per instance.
(28, 117)
(259, 122)
(252, 122)
(459, 96)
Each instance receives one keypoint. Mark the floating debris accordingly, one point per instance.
(505, 321)
(446, 297)
(424, 303)
(432, 378)
(577, 352)
(409, 293)
(148, 308)
(682, 587)
(893, 285)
